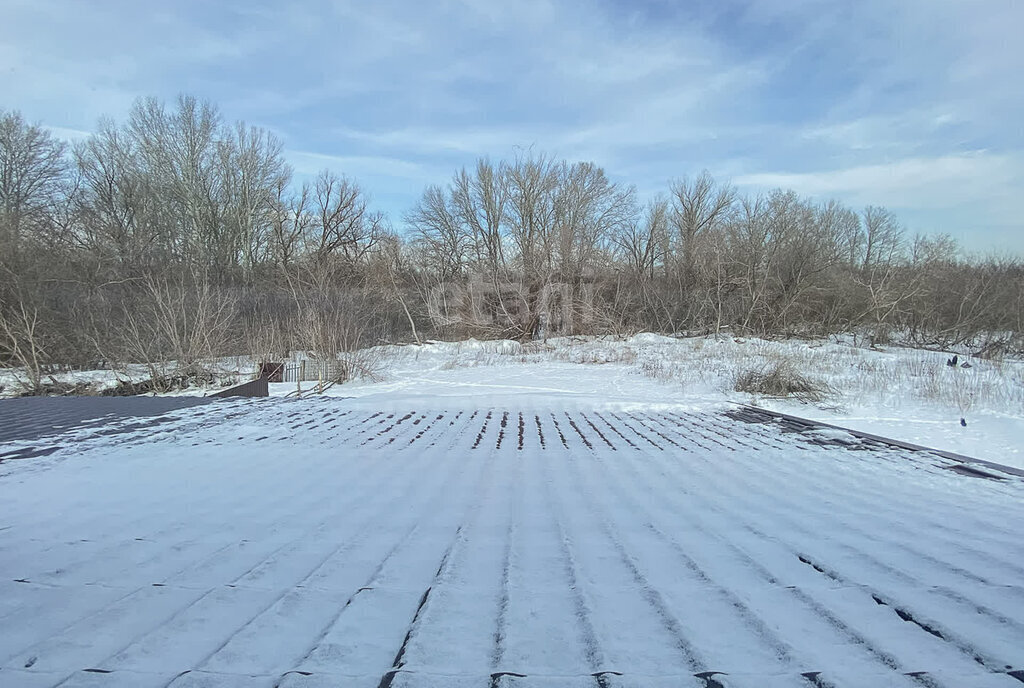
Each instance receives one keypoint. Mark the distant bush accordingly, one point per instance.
(781, 381)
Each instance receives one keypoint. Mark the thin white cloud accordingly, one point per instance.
(405, 93)
(70, 135)
(988, 180)
(306, 163)
(907, 130)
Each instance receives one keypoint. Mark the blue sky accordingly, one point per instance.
(911, 104)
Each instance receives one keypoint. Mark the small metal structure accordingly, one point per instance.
(253, 388)
(273, 371)
(313, 371)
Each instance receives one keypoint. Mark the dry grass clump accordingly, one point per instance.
(780, 380)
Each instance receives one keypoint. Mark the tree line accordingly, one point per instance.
(178, 236)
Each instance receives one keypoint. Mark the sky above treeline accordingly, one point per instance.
(911, 104)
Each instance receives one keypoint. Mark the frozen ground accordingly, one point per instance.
(901, 393)
(502, 525)
(896, 392)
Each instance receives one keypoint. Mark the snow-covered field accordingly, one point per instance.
(905, 394)
(895, 392)
(516, 523)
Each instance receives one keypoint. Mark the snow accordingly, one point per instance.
(901, 393)
(904, 394)
(509, 519)
(833, 435)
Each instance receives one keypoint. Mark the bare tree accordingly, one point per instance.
(32, 164)
(253, 171)
(436, 224)
(698, 205)
(118, 222)
(883, 237)
(138, 241)
(640, 242)
(393, 265)
(21, 343)
(479, 201)
(175, 327)
(178, 152)
(532, 186)
(589, 211)
(290, 221)
(342, 226)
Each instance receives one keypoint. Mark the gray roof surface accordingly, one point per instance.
(310, 543)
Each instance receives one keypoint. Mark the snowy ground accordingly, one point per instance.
(896, 392)
(905, 394)
(504, 525)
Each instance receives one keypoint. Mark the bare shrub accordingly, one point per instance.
(175, 330)
(21, 343)
(656, 369)
(363, 364)
(780, 380)
(339, 328)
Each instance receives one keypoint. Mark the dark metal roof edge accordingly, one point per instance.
(953, 456)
